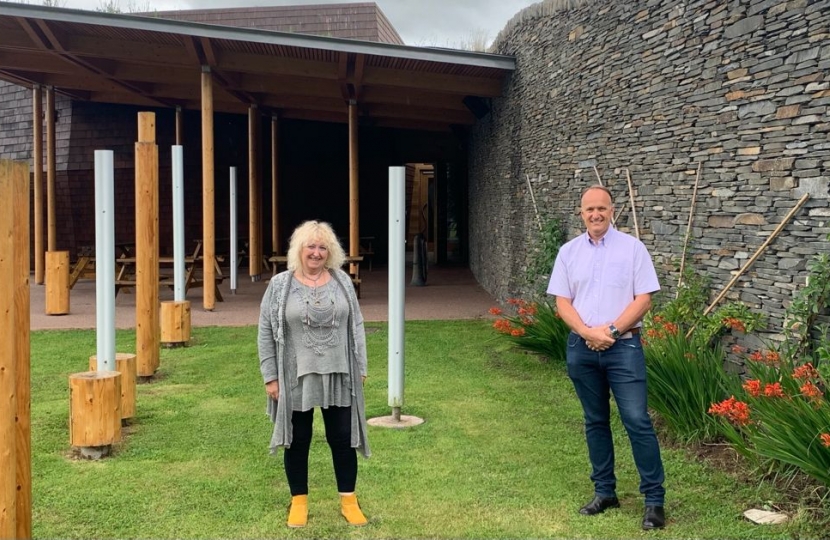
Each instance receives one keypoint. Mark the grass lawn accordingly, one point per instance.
(501, 454)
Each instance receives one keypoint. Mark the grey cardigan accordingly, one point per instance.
(271, 344)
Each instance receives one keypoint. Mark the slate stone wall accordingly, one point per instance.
(657, 88)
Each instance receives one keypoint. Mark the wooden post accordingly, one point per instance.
(275, 172)
(94, 411)
(175, 323)
(15, 437)
(254, 191)
(147, 246)
(208, 193)
(125, 364)
(57, 282)
(688, 231)
(22, 352)
(51, 220)
(37, 163)
(354, 195)
(752, 259)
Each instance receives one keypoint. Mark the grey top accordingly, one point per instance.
(316, 338)
(271, 341)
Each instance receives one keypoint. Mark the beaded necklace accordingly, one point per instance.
(320, 321)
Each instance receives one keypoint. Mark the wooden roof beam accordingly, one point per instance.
(46, 39)
(455, 84)
(274, 65)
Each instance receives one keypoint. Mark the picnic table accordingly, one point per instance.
(125, 269)
(352, 262)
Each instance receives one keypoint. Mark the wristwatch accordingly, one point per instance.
(614, 332)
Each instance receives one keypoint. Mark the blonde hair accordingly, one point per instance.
(306, 233)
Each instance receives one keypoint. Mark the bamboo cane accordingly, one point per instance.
(688, 230)
(596, 172)
(631, 198)
(533, 198)
(752, 259)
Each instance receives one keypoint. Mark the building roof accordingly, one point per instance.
(150, 61)
(364, 21)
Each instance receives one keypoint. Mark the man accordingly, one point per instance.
(603, 281)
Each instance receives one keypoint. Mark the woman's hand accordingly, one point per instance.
(272, 388)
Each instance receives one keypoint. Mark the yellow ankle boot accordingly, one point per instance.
(298, 511)
(351, 510)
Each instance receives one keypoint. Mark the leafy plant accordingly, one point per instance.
(685, 376)
(782, 413)
(535, 326)
(808, 304)
(552, 237)
(687, 308)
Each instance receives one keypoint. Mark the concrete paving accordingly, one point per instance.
(450, 293)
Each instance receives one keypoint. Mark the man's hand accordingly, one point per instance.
(272, 388)
(598, 338)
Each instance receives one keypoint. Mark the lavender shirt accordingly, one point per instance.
(602, 279)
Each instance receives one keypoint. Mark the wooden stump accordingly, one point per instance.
(57, 282)
(125, 364)
(94, 410)
(175, 323)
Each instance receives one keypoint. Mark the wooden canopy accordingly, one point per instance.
(149, 61)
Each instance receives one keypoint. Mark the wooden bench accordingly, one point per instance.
(353, 264)
(125, 268)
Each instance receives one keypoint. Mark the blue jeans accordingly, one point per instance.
(622, 370)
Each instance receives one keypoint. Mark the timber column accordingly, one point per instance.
(147, 338)
(15, 434)
(208, 193)
(354, 194)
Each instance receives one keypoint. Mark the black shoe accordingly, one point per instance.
(654, 518)
(599, 505)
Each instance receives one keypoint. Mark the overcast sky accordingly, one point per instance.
(442, 23)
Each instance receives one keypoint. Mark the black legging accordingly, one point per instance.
(338, 421)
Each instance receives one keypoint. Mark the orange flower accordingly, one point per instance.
(495, 311)
(733, 410)
(502, 325)
(514, 301)
(734, 324)
(753, 387)
(807, 371)
(825, 439)
(772, 357)
(756, 356)
(689, 356)
(517, 332)
(737, 349)
(670, 328)
(773, 390)
(527, 321)
(810, 390)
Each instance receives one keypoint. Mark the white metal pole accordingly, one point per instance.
(177, 153)
(104, 260)
(397, 196)
(233, 230)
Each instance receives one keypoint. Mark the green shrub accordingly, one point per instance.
(781, 413)
(536, 326)
(684, 377)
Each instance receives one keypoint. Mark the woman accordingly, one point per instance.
(312, 353)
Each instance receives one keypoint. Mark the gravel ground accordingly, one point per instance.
(450, 293)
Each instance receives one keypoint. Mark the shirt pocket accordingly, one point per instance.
(618, 275)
